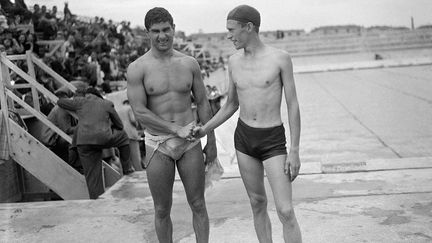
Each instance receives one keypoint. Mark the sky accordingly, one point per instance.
(208, 16)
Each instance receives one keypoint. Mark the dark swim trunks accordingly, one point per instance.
(260, 143)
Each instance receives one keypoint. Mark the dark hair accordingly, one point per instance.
(94, 91)
(157, 15)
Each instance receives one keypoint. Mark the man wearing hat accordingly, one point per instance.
(257, 76)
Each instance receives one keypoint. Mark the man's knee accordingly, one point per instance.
(286, 214)
(198, 205)
(258, 202)
(162, 211)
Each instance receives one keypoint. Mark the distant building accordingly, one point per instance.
(281, 34)
(337, 29)
(428, 26)
(208, 37)
(293, 33)
(386, 28)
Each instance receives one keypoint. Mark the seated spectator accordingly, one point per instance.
(68, 46)
(114, 65)
(21, 43)
(3, 22)
(11, 46)
(30, 44)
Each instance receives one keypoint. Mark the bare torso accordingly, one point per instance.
(259, 87)
(168, 84)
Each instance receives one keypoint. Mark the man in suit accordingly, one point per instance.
(99, 127)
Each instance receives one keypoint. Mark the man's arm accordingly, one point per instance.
(115, 118)
(132, 117)
(226, 111)
(287, 76)
(70, 104)
(203, 109)
(138, 100)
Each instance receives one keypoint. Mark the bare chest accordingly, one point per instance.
(162, 79)
(252, 77)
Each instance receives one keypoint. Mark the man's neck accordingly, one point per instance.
(162, 54)
(254, 46)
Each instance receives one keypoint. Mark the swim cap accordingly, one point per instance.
(244, 14)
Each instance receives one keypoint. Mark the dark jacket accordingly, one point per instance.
(96, 119)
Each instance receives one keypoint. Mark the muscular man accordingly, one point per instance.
(159, 90)
(258, 74)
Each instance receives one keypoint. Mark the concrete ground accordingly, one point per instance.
(385, 205)
(366, 175)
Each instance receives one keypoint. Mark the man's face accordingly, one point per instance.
(236, 33)
(162, 36)
(21, 38)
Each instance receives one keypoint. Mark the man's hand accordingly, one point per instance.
(211, 153)
(186, 132)
(292, 164)
(198, 132)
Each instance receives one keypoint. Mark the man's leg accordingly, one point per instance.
(252, 173)
(191, 170)
(282, 193)
(91, 160)
(121, 141)
(125, 159)
(135, 154)
(160, 176)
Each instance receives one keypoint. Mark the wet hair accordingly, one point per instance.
(157, 15)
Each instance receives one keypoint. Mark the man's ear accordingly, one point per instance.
(250, 26)
(173, 26)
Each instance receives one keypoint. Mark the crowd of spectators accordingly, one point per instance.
(89, 52)
(94, 51)
(86, 52)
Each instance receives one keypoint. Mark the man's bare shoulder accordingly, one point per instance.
(236, 57)
(140, 62)
(276, 52)
(137, 69)
(185, 58)
(279, 55)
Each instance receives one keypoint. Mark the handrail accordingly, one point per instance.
(28, 78)
(20, 86)
(53, 74)
(4, 113)
(39, 116)
(17, 57)
(49, 42)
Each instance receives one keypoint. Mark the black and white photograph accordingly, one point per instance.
(282, 121)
